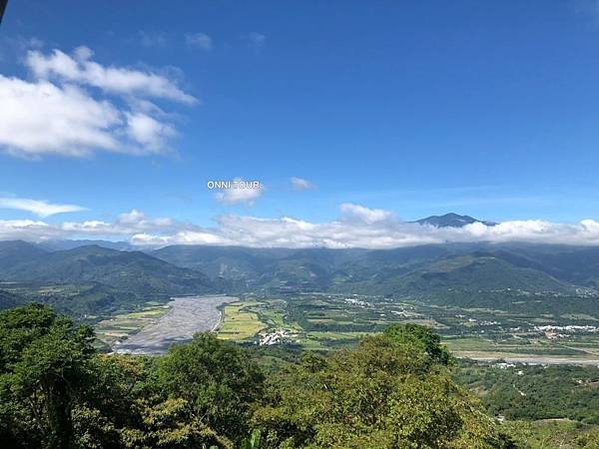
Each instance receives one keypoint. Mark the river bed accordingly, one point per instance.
(186, 316)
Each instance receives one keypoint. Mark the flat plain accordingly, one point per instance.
(326, 321)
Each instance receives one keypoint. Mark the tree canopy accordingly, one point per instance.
(386, 393)
(393, 390)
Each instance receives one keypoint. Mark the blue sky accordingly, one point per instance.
(419, 108)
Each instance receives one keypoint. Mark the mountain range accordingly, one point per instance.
(452, 220)
(403, 271)
(116, 277)
(132, 270)
(90, 280)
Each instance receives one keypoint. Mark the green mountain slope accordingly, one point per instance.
(17, 252)
(433, 270)
(471, 273)
(403, 271)
(127, 271)
(9, 300)
(451, 220)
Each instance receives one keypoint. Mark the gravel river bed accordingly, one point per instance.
(186, 316)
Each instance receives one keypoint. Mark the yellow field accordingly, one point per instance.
(240, 323)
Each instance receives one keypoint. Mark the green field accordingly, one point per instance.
(239, 322)
(325, 321)
(577, 349)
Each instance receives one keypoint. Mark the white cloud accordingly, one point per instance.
(240, 192)
(384, 232)
(300, 184)
(80, 69)
(141, 221)
(28, 230)
(40, 208)
(62, 117)
(148, 131)
(126, 224)
(199, 40)
(42, 118)
(181, 238)
(365, 214)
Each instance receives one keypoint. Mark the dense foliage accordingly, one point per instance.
(383, 394)
(45, 365)
(391, 391)
(536, 392)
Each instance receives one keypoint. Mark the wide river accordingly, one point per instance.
(186, 316)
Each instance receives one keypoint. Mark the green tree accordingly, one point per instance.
(44, 366)
(423, 338)
(386, 393)
(218, 382)
(111, 409)
(590, 440)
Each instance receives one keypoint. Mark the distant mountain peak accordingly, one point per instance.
(452, 220)
(61, 245)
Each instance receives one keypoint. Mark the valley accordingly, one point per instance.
(526, 303)
(324, 322)
(185, 317)
(521, 321)
(328, 321)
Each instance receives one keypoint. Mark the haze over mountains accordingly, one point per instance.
(403, 271)
(131, 270)
(420, 270)
(449, 220)
(107, 275)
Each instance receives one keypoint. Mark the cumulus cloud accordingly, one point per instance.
(142, 221)
(126, 224)
(299, 184)
(40, 208)
(240, 191)
(181, 238)
(32, 230)
(364, 214)
(79, 68)
(361, 231)
(148, 131)
(57, 114)
(385, 234)
(199, 40)
(42, 118)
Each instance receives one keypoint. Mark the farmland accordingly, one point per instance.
(326, 321)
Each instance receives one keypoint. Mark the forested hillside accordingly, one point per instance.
(402, 271)
(94, 280)
(391, 391)
(130, 270)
